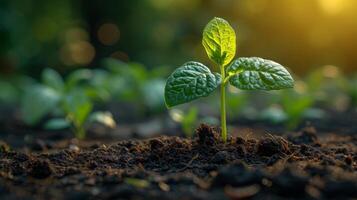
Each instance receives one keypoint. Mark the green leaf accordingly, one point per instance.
(153, 93)
(219, 40)
(189, 121)
(57, 124)
(9, 93)
(190, 81)
(37, 102)
(77, 77)
(259, 74)
(78, 106)
(52, 79)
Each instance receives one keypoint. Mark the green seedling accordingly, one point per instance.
(132, 82)
(70, 102)
(352, 90)
(12, 87)
(295, 106)
(194, 80)
(329, 87)
(187, 119)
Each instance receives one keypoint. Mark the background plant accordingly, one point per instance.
(132, 82)
(69, 102)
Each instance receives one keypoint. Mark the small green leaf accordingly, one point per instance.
(52, 79)
(37, 102)
(78, 106)
(259, 74)
(219, 40)
(77, 77)
(57, 124)
(189, 121)
(190, 81)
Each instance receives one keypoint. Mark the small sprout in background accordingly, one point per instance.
(133, 82)
(69, 102)
(77, 107)
(188, 120)
(327, 84)
(352, 90)
(295, 105)
(194, 80)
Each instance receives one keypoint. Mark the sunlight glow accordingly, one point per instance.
(333, 7)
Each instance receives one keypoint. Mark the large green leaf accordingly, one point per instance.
(219, 40)
(191, 81)
(37, 102)
(259, 74)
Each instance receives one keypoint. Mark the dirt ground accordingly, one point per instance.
(301, 165)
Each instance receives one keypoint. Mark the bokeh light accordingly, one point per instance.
(108, 34)
(78, 53)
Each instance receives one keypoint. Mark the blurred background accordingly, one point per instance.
(117, 53)
(66, 34)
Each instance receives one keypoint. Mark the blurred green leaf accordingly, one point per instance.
(96, 93)
(37, 102)
(133, 72)
(52, 79)
(153, 92)
(126, 79)
(189, 121)
(8, 92)
(57, 124)
(353, 90)
(295, 105)
(77, 77)
(78, 106)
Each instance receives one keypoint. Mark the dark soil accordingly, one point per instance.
(298, 166)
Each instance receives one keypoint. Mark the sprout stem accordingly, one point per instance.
(223, 105)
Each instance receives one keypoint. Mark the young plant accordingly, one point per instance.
(69, 101)
(194, 80)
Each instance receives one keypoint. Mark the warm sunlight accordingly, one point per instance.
(334, 7)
